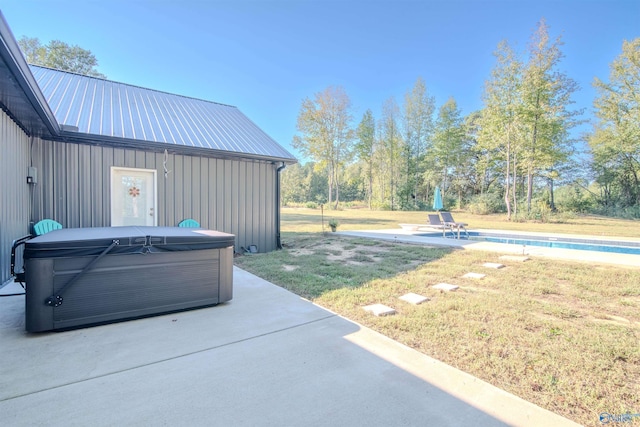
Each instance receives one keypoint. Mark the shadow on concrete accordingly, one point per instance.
(267, 357)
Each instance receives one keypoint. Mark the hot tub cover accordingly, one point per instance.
(72, 242)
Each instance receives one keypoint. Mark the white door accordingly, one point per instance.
(133, 196)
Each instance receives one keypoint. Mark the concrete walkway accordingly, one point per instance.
(267, 358)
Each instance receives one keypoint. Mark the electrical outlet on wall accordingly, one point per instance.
(32, 175)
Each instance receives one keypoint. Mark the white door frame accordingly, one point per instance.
(151, 218)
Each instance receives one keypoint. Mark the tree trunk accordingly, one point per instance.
(515, 183)
(336, 183)
(529, 189)
(370, 195)
(408, 177)
(551, 199)
(330, 198)
(532, 154)
(507, 198)
(636, 184)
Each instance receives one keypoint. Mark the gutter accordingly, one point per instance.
(278, 241)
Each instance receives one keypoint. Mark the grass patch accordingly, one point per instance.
(316, 264)
(562, 335)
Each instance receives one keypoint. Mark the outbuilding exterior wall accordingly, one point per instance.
(14, 190)
(233, 196)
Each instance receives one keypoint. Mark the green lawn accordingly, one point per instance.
(361, 219)
(562, 335)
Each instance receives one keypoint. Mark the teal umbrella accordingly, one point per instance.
(437, 200)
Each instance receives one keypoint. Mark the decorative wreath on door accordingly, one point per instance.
(134, 191)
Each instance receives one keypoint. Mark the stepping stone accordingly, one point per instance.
(492, 265)
(474, 276)
(379, 310)
(514, 258)
(414, 299)
(445, 287)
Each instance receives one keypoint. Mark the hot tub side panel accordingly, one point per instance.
(226, 274)
(124, 286)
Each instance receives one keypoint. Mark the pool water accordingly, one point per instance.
(554, 242)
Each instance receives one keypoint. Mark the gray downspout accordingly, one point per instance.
(278, 241)
(32, 192)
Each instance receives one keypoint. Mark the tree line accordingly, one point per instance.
(60, 56)
(516, 155)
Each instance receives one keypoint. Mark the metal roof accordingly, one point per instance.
(105, 108)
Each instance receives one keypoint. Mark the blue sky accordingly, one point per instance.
(266, 56)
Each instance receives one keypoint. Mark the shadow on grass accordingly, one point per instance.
(312, 264)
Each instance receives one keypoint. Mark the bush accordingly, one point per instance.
(294, 205)
(574, 199)
(631, 212)
(540, 211)
(487, 203)
(422, 205)
(311, 205)
(450, 203)
(381, 206)
(624, 212)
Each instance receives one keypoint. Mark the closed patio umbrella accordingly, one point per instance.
(437, 200)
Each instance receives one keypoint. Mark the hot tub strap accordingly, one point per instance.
(56, 300)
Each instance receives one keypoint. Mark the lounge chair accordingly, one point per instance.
(448, 220)
(434, 222)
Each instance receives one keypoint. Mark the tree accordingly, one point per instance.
(448, 142)
(315, 184)
(391, 148)
(354, 186)
(365, 146)
(327, 137)
(501, 126)
(476, 170)
(61, 56)
(419, 107)
(546, 95)
(293, 187)
(615, 142)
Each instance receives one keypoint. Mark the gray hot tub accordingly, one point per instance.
(83, 276)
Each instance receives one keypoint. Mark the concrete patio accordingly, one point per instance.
(267, 357)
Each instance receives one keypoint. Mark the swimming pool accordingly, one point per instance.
(614, 246)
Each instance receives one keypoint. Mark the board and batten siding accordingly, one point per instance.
(233, 196)
(15, 193)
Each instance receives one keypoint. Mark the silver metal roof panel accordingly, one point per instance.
(111, 109)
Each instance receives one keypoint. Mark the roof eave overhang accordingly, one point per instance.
(127, 143)
(23, 87)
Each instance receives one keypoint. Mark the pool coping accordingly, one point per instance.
(588, 256)
(551, 239)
